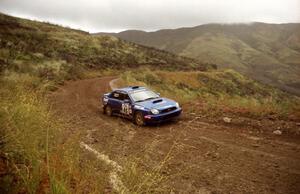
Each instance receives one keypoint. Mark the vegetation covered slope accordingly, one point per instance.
(266, 52)
(220, 89)
(47, 48)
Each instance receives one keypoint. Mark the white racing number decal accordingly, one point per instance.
(126, 109)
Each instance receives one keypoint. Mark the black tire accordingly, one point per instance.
(139, 119)
(108, 111)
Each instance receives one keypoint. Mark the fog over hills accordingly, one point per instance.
(269, 53)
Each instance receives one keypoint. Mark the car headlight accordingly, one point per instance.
(105, 100)
(177, 105)
(154, 111)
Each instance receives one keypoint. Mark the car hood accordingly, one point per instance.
(158, 103)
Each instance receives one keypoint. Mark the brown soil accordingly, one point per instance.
(208, 157)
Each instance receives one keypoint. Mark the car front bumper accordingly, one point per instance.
(162, 117)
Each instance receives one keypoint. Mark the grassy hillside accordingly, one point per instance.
(218, 90)
(35, 46)
(266, 52)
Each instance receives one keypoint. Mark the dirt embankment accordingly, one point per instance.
(209, 158)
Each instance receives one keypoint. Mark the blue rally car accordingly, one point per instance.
(140, 104)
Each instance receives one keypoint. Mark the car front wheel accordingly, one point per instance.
(139, 119)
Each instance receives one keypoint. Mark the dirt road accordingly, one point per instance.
(206, 158)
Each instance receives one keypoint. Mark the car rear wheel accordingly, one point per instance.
(108, 111)
(139, 119)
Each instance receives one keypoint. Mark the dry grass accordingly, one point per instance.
(220, 91)
(35, 146)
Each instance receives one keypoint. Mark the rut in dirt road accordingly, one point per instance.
(209, 157)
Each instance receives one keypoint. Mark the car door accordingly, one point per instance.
(126, 107)
(115, 101)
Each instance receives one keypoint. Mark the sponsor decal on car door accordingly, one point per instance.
(126, 109)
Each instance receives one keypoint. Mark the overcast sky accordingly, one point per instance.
(149, 15)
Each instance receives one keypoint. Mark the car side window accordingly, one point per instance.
(116, 95)
(126, 97)
(120, 96)
(123, 96)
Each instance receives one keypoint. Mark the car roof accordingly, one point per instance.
(130, 89)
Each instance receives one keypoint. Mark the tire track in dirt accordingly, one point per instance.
(211, 158)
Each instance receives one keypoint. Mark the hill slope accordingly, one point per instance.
(48, 139)
(30, 45)
(266, 52)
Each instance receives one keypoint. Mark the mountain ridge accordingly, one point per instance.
(269, 53)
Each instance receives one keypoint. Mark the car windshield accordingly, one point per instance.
(143, 95)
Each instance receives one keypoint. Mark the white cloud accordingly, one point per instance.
(115, 15)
